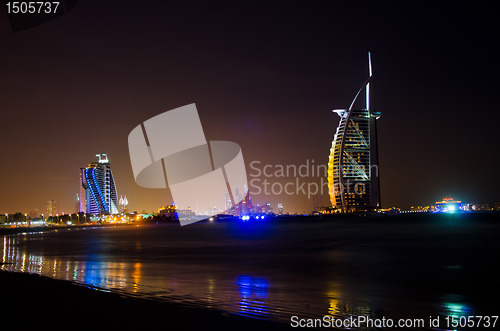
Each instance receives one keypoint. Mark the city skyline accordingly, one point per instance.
(265, 77)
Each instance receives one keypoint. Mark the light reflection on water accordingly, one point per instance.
(454, 305)
(304, 270)
(250, 295)
(253, 294)
(247, 297)
(93, 273)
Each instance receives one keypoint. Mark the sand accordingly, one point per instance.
(32, 301)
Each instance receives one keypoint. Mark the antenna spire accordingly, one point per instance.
(368, 84)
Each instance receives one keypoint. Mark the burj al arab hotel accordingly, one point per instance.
(353, 172)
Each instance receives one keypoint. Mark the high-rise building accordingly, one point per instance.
(243, 207)
(77, 203)
(228, 202)
(51, 208)
(123, 204)
(353, 177)
(267, 209)
(97, 187)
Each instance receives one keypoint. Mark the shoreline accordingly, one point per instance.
(284, 218)
(32, 300)
(21, 229)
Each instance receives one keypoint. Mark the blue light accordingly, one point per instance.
(253, 294)
(95, 190)
(262, 217)
(254, 287)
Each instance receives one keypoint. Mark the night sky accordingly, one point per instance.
(264, 75)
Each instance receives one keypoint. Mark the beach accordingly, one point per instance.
(38, 302)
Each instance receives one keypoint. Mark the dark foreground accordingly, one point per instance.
(33, 301)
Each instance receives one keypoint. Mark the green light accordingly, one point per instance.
(455, 310)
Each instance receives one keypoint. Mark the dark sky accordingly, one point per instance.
(265, 75)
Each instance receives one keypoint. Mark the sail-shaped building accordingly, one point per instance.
(353, 177)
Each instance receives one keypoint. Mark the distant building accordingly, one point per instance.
(485, 206)
(244, 207)
(77, 203)
(228, 202)
(422, 208)
(34, 214)
(123, 204)
(448, 205)
(97, 188)
(280, 209)
(246, 204)
(167, 209)
(266, 209)
(51, 208)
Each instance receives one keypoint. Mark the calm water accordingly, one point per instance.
(397, 267)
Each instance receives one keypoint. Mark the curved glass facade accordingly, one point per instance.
(99, 187)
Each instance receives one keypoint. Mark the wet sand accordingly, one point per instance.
(33, 301)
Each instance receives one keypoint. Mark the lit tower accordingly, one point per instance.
(51, 208)
(99, 186)
(353, 177)
(122, 204)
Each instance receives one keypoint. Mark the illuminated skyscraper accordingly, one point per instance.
(228, 202)
(99, 188)
(353, 178)
(51, 208)
(123, 204)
